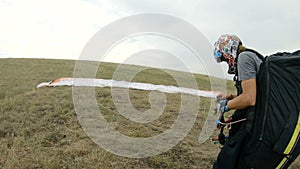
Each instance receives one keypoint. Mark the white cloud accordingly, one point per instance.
(144, 50)
(269, 25)
(51, 29)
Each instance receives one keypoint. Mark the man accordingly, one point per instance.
(244, 64)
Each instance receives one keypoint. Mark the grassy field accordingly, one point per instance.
(39, 127)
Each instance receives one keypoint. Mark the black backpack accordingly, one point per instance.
(274, 139)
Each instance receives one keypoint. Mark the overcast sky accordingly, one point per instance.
(61, 28)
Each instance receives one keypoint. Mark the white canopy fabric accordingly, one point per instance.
(89, 82)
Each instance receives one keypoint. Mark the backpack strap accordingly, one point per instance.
(260, 56)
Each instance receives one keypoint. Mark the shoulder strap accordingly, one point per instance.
(260, 56)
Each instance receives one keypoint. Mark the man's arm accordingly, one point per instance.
(247, 98)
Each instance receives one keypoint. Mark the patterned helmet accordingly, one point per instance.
(226, 47)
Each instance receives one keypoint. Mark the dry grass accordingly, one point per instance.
(39, 127)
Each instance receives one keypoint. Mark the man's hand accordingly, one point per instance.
(222, 106)
(223, 96)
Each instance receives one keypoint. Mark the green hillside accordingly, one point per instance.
(39, 127)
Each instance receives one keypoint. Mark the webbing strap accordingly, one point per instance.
(291, 145)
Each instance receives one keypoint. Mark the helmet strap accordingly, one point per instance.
(231, 65)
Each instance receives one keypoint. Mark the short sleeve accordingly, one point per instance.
(248, 65)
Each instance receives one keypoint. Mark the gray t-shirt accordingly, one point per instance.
(248, 65)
